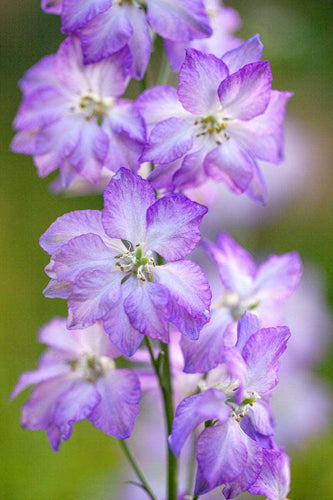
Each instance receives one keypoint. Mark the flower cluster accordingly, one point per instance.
(124, 271)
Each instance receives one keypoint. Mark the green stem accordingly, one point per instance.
(163, 75)
(166, 389)
(136, 469)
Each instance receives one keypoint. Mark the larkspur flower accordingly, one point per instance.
(235, 403)
(77, 379)
(72, 116)
(274, 479)
(221, 120)
(245, 287)
(106, 26)
(224, 22)
(107, 264)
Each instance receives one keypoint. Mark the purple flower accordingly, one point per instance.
(223, 118)
(77, 379)
(72, 117)
(224, 21)
(107, 265)
(246, 287)
(105, 27)
(235, 403)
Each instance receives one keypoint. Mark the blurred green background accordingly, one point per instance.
(298, 41)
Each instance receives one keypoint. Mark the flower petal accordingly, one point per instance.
(206, 353)
(126, 200)
(77, 14)
(194, 410)
(169, 140)
(246, 93)
(250, 51)
(179, 20)
(190, 295)
(232, 164)
(140, 41)
(236, 266)
(120, 394)
(199, 80)
(274, 479)
(173, 226)
(146, 308)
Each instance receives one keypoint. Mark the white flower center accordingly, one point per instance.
(134, 261)
(239, 411)
(91, 368)
(92, 106)
(212, 126)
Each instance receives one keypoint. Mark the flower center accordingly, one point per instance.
(90, 367)
(93, 107)
(237, 305)
(214, 127)
(239, 411)
(134, 261)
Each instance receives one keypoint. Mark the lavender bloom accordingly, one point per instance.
(72, 117)
(223, 118)
(224, 21)
(106, 26)
(236, 403)
(106, 264)
(246, 287)
(77, 379)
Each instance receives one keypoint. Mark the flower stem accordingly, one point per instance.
(164, 379)
(136, 469)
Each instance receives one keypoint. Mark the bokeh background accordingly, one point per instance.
(298, 41)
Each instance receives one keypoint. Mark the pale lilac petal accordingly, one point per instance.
(192, 172)
(86, 252)
(179, 20)
(58, 289)
(162, 175)
(106, 34)
(250, 51)
(237, 370)
(109, 77)
(263, 135)
(40, 74)
(42, 374)
(69, 69)
(116, 413)
(260, 416)
(173, 226)
(221, 453)
(249, 475)
(69, 226)
(56, 335)
(93, 294)
(169, 140)
(125, 118)
(236, 266)
(232, 164)
(246, 93)
(261, 354)
(257, 189)
(274, 479)
(38, 411)
(120, 330)
(158, 104)
(199, 80)
(123, 152)
(278, 277)
(190, 295)
(25, 142)
(206, 353)
(76, 14)
(140, 41)
(194, 410)
(89, 154)
(146, 308)
(44, 106)
(75, 404)
(247, 326)
(55, 142)
(126, 200)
